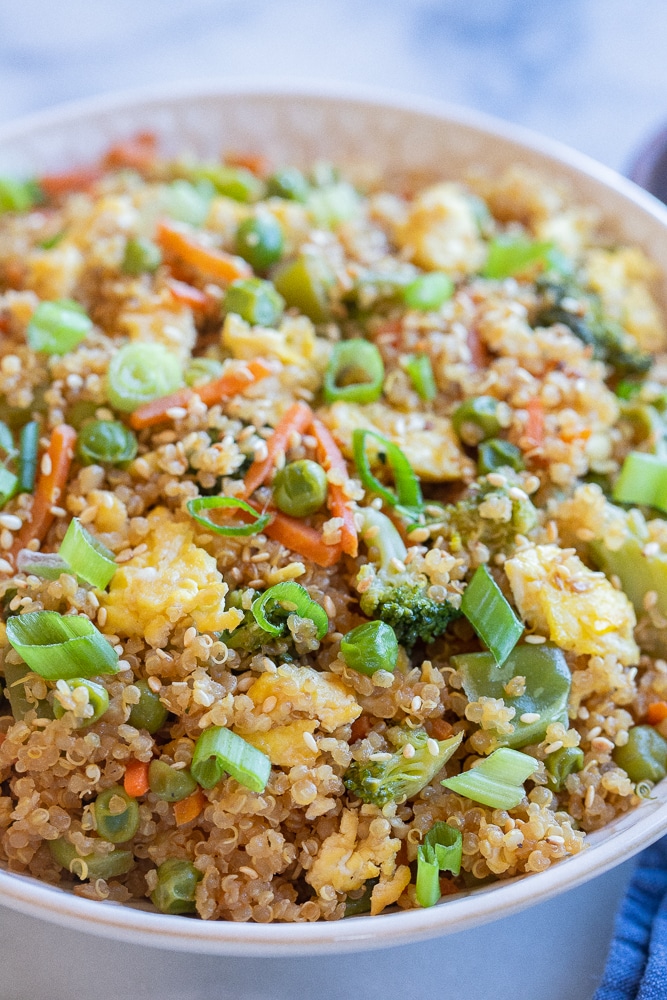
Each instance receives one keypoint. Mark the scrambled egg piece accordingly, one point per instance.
(621, 278)
(284, 745)
(429, 441)
(346, 863)
(174, 581)
(319, 695)
(388, 890)
(442, 231)
(54, 274)
(294, 343)
(152, 321)
(577, 608)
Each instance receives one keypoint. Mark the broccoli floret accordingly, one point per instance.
(398, 778)
(462, 525)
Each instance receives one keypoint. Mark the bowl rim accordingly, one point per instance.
(135, 925)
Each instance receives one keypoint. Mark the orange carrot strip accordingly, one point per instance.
(254, 162)
(479, 356)
(54, 470)
(57, 185)
(299, 537)
(231, 382)
(330, 458)
(216, 263)
(656, 712)
(137, 153)
(188, 809)
(297, 418)
(186, 294)
(535, 424)
(135, 782)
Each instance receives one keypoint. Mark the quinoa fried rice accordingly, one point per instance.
(557, 334)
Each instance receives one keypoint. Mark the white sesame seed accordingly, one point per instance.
(380, 756)
(309, 740)
(650, 599)
(555, 840)
(118, 648)
(58, 511)
(11, 521)
(154, 684)
(651, 549)
(590, 796)
(46, 465)
(515, 493)
(102, 617)
(556, 745)
(535, 640)
(433, 747)
(529, 717)
(189, 636)
(409, 751)
(594, 732)
(6, 567)
(269, 704)
(415, 704)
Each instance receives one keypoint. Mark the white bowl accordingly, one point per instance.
(298, 124)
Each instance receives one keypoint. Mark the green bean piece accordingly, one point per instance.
(201, 370)
(176, 886)
(304, 283)
(259, 240)
(561, 764)
(256, 301)
(15, 674)
(149, 713)
(237, 183)
(90, 866)
(497, 454)
(355, 372)
(98, 700)
(476, 420)
(105, 442)
(116, 815)
(288, 183)
(168, 783)
(7, 442)
(141, 257)
(28, 456)
(300, 488)
(369, 647)
(644, 756)
(428, 291)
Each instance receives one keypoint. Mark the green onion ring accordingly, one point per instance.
(197, 504)
(60, 647)
(408, 494)
(87, 557)
(302, 605)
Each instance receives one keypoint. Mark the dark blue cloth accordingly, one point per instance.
(637, 964)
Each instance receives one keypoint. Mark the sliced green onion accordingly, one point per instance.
(98, 699)
(369, 647)
(292, 598)
(105, 442)
(255, 300)
(140, 372)
(58, 327)
(51, 241)
(332, 204)
(496, 782)
(509, 255)
(643, 480)
(428, 291)
(198, 504)
(288, 183)
(202, 370)
(87, 557)
(489, 613)
(476, 419)
(219, 750)
(441, 851)
(355, 372)
(408, 495)
(61, 647)
(8, 485)
(305, 283)
(29, 445)
(420, 370)
(141, 257)
(47, 565)
(15, 691)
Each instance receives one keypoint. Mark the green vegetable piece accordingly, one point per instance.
(428, 291)
(15, 692)
(545, 695)
(98, 700)
(105, 442)
(141, 256)
(17, 196)
(176, 886)
(28, 457)
(511, 255)
(9, 484)
(7, 441)
(284, 599)
(355, 372)
(149, 713)
(476, 420)
(400, 778)
(300, 488)
(369, 647)
(407, 499)
(356, 904)
(332, 204)
(304, 284)
(638, 572)
(496, 781)
(219, 750)
(86, 556)
(139, 372)
(61, 647)
(420, 370)
(498, 454)
(184, 202)
(259, 240)
(47, 565)
(561, 764)
(169, 783)
(237, 183)
(491, 616)
(643, 480)
(644, 756)
(90, 866)
(116, 815)
(201, 370)
(255, 300)
(288, 183)
(51, 241)
(58, 327)
(199, 504)
(441, 851)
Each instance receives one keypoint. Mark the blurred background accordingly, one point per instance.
(588, 72)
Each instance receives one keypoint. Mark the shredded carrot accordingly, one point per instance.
(296, 419)
(254, 162)
(330, 458)
(230, 383)
(137, 153)
(135, 782)
(534, 432)
(299, 537)
(186, 294)
(656, 712)
(479, 356)
(216, 263)
(57, 185)
(188, 809)
(54, 470)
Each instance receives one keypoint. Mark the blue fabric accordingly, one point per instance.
(637, 964)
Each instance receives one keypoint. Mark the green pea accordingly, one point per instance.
(259, 240)
(168, 783)
(644, 756)
(428, 291)
(149, 713)
(369, 647)
(288, 183)
(105, 442)
(304, 283)
(476, 420)
(300, 488)
(116, 815)
(176, 886)
(497, 454)
(141, 257)
(98, 700)
(92, 866)
(256, 301)
(202, 370)
(562, 763)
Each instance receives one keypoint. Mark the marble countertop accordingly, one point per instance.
(588, 72)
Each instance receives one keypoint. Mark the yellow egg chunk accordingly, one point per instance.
(442, 231)
(285, 745)
(574, 606)
(345, 861)
(318, 695)
(174, 580)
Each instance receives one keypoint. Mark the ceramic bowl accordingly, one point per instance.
(298, 124)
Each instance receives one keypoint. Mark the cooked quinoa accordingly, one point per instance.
(513, 383)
